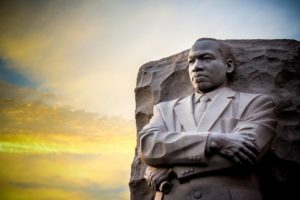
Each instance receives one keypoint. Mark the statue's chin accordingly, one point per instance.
(204, 88)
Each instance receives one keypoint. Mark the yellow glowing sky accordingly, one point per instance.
(52, 151)
(28, 124)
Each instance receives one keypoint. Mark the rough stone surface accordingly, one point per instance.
(263, 66)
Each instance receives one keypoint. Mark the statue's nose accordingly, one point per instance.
(198, 65)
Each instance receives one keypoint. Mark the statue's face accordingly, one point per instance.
(207, 68)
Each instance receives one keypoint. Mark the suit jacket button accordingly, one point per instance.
(197, 194)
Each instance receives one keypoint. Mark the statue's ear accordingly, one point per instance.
(230, 65)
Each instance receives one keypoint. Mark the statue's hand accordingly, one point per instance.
(158, 176)
(240, 148)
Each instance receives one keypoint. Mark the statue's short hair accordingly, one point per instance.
(225, 51)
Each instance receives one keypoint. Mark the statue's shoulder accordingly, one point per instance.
(171, 103)
(249, 96)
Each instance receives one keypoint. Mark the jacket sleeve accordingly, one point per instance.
(161, 147)
(258, 119)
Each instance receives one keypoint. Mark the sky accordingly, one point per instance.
(68, 70)
(88, 52)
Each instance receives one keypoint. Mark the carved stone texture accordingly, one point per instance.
(262, 66)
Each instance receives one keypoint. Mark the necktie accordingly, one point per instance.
(200, 108)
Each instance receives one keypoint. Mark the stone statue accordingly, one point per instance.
(207, 145)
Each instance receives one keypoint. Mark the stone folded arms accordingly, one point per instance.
(185, 162)
(185, 151)
(185, 168)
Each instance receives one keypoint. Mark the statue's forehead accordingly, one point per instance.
(204, 46)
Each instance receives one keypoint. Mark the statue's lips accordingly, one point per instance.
(200, 77)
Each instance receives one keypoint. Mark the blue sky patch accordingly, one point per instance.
(12, 76)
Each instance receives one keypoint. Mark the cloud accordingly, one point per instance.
(64, 176)
(62, 190)
(34, 121)
(90, 52)
(52, 151)
(63, 47)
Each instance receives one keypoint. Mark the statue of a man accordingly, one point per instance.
(207, 145)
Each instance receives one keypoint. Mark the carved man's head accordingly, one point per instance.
(210, 62)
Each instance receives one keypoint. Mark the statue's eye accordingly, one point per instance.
(207, 57)
(191, 61)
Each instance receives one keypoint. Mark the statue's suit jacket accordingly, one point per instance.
(173, 139)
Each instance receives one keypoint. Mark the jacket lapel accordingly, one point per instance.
(184, 113)
(215, 109)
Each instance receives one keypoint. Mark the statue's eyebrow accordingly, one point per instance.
(196, 55)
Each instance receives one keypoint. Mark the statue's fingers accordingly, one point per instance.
(160, 177)
(151, 181)
(248, 153)
(229, 154)
(236, 160)
(249, 136)
(154, 180)
(252, 146)
(245, 160)
(148, 179)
